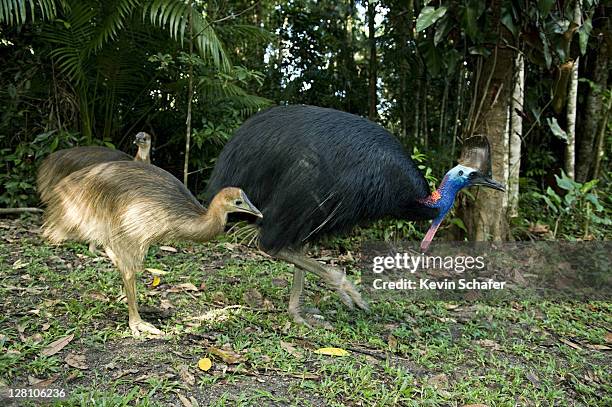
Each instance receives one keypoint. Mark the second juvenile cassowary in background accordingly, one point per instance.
(314, 171)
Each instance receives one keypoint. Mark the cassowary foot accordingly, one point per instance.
(309, 320)
(345, 289)
(92, 248)
(140, 326)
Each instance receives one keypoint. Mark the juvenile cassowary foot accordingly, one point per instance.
(336, 279)
(138, 326)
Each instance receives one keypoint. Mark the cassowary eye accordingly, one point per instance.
(460, 172)
(238, 202)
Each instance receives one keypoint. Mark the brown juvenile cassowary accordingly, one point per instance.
(125, 207)
(64, 162)
(316, 172)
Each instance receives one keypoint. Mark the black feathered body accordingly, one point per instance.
(314, 171)
(64, 162)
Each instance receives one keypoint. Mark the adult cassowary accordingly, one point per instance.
(314, 171)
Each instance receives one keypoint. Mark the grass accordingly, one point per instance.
(433, 353)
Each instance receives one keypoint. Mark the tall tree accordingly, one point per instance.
(516, 134)
(372, 77)
(485, 216)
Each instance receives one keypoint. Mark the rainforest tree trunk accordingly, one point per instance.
(572, 99)
(485, 216)
(592, 115)
(189, 101)
(516, 132)
(372, 112)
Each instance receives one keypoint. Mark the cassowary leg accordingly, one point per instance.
(336, 279)
(295, 299)
(92, 247)
(137, 325)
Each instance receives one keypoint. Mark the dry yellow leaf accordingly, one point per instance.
(156, 281)
(204, 364)
(156, 272)
(332, 352)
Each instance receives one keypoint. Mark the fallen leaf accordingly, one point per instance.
(291, 349)
(122, 373)
(77, 361)
(184, 400)
(253, 298)
(19, 264)
(156, 272)
(165, 304)
(533, 378)
(439, 381)
(539, 228)
(98, 296)
(280, 282)
(168, 249)
(185, 375)
(36, 338)
(450, 306)
(332, 352)
(219, 298)
(156, 281)
(488, 343)
(44, 327)
(608, 337)
(57, 345)
(598, 347)
(229, 356)
(570, 343)
(183, 287)
(205, 364)
(474, 405)
(392, 342)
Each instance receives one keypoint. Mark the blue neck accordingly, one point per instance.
(443, 198)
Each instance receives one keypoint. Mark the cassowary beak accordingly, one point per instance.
(481, 180)
(248, 207)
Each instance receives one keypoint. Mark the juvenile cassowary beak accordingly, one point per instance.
(482, 180)
(140, 139)
(247, 206)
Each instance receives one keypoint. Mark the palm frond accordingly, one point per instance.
(175, 15)
(114, 22)
(72, 38)
(17, 12)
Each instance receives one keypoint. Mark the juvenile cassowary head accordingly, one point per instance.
(474, 169)
(231, 200)
(142, 140)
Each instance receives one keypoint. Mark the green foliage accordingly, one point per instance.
(15, 12)
(575, 210)
(18, 178)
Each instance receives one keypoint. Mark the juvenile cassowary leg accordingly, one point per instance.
(137, 325)
(92, 247)
(336, 279)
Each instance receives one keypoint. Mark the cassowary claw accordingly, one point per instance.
(345, 289)
(139, 326)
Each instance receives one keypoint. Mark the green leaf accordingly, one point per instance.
(565, 183)
(545, 5)
(428, 16)
(508, 21)
(556, 129)
(583, 35)
(459, 223)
